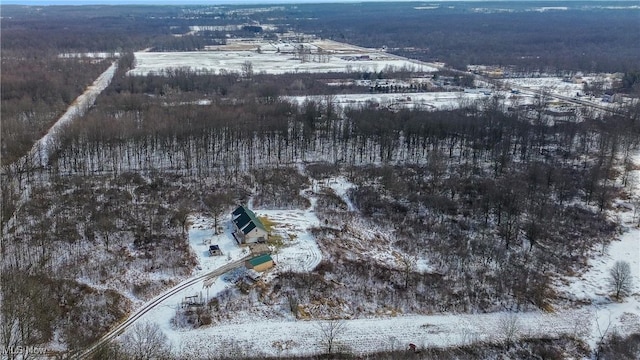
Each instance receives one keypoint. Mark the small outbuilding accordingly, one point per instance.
(214, 250)
(260, 263)
(253, 275)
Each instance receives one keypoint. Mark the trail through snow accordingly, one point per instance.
(42, 148)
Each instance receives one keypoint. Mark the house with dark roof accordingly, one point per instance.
(248, 228)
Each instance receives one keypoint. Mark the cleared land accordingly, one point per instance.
(276, 58)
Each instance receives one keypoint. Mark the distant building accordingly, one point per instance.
(260, 263)
(248, 228)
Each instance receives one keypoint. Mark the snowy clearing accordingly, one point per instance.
(299, 251)
(276, 58)
(429, 100)
(201, 235)
(554, 85)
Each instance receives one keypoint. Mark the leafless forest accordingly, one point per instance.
(503, 202)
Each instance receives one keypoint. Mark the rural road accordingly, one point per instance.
(120, 328)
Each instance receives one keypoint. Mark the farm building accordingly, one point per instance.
(260, 263)
(249, 229)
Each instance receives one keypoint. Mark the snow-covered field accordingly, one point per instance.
(428, 100)
(269, 63)
(300, 251)
(275, 58)
(554, 85)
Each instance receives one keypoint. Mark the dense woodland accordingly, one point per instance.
(468, 33)
(500, 202)
(39, 85)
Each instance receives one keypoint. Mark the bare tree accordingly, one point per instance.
(9, 335)
(409, 264)
(620, 278)
(247, 69)
(145, 341)
(217, 203)
(603, 334)
(330, 331)
(509, 327)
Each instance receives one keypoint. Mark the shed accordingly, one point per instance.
(260, 263)
(214, 250)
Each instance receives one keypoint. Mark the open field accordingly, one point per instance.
(275, 58)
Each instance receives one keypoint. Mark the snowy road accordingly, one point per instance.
(41, 149)
(133, 318)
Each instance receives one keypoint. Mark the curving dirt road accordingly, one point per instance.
(120, 328)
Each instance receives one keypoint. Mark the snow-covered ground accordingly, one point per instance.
(202, 234)
(276, 58)
(554, 85)
(300, 253)
(267, 62)
(42, 148)
(594, 285)
(341, 185)
(427, 100)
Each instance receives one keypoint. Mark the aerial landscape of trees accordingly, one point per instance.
(501, 201)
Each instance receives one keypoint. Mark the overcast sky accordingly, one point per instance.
(238, 2)
(174, 2)
(204, 2)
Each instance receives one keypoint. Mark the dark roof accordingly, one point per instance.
(247, 220)
(242, 220)
(247, 229)
(260, 260)
(238, 211)
(214, 247)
